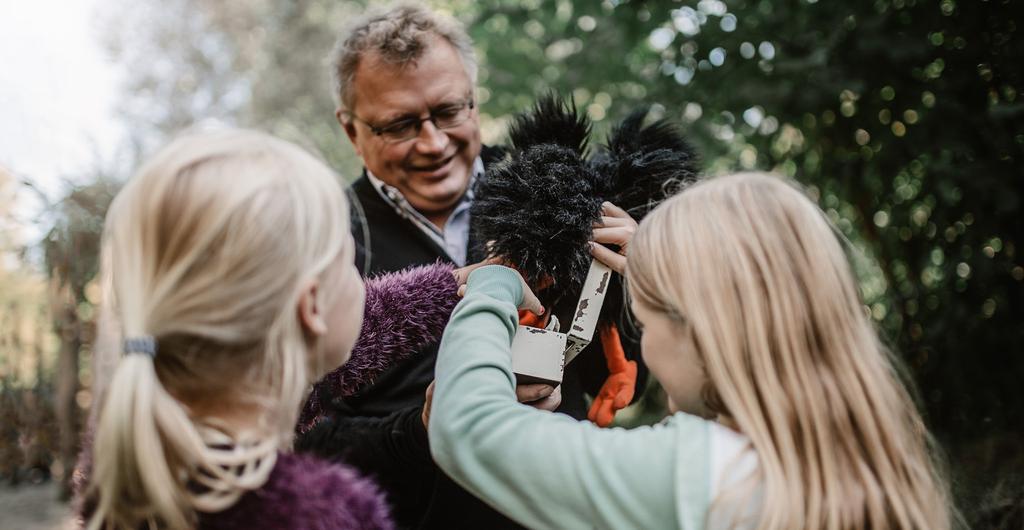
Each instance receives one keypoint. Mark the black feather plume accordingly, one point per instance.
(537, 210)
(642, 166)
(630, 136)
(551, 121)
(538, 207)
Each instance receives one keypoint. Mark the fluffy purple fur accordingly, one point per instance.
(405, 311)
(301, 492)
(304, 492)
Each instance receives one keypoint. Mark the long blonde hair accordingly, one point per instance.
(754, 271)
(209, 247)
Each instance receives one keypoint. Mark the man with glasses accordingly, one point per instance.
(405, 83)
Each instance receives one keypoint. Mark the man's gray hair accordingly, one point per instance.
(397, 34)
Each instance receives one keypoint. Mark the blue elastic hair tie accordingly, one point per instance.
(144, 344)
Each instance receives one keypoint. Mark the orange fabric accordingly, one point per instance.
(528, 318)
(617, 391)
(544, 283)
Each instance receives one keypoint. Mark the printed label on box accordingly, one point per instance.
(584, 322)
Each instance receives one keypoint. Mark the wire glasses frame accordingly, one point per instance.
(444, 117)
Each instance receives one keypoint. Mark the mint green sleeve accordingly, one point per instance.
(548, 470)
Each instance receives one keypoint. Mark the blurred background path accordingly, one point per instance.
(33, 507)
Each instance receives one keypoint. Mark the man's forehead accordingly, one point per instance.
(386, 89)
(401, 103)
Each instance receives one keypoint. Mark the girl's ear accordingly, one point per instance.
(310, 313)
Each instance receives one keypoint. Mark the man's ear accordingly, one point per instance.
(310, 313)
(349, 126)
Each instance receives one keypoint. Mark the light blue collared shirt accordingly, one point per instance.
(455, 236)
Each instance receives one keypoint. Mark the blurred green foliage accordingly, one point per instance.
(28, 430)
(47, 323)
(902, 117)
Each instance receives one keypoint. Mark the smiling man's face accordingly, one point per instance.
(433, 169)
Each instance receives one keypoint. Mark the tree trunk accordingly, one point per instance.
(14, 345)
(38, 343)
(66, 407)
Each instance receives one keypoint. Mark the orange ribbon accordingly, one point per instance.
(617, 391)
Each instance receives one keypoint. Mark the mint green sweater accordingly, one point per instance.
(548, 470)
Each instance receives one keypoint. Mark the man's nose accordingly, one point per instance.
(431, 139)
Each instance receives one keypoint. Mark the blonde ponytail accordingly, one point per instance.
(208, 248)
(139, 473)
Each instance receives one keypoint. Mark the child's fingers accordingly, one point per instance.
(608, 222)
(530, 301)
(614, 260)
(617, 235)
(611, 210)
(549, 403)
(533, 392)
(428, 402)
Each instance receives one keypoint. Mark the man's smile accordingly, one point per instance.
(435, 170)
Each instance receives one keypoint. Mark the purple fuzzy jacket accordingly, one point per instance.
(404, 311)
(304, 492)
(301, 493)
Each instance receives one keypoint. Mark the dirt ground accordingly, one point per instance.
(33, 508)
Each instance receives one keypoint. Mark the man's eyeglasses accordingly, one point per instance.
(443, 117)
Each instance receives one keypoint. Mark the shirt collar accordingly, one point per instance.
(397, 200)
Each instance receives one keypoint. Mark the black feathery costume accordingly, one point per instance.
(537, 208)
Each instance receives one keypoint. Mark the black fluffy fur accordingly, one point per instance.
(642, 166)
(550, 121)
(537, 208)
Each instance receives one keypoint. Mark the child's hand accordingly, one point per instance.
(540, 396)
(616, 227)
(462, 274)
(530, 301)
(428, 401)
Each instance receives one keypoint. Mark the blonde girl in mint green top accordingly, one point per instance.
(751, 319)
